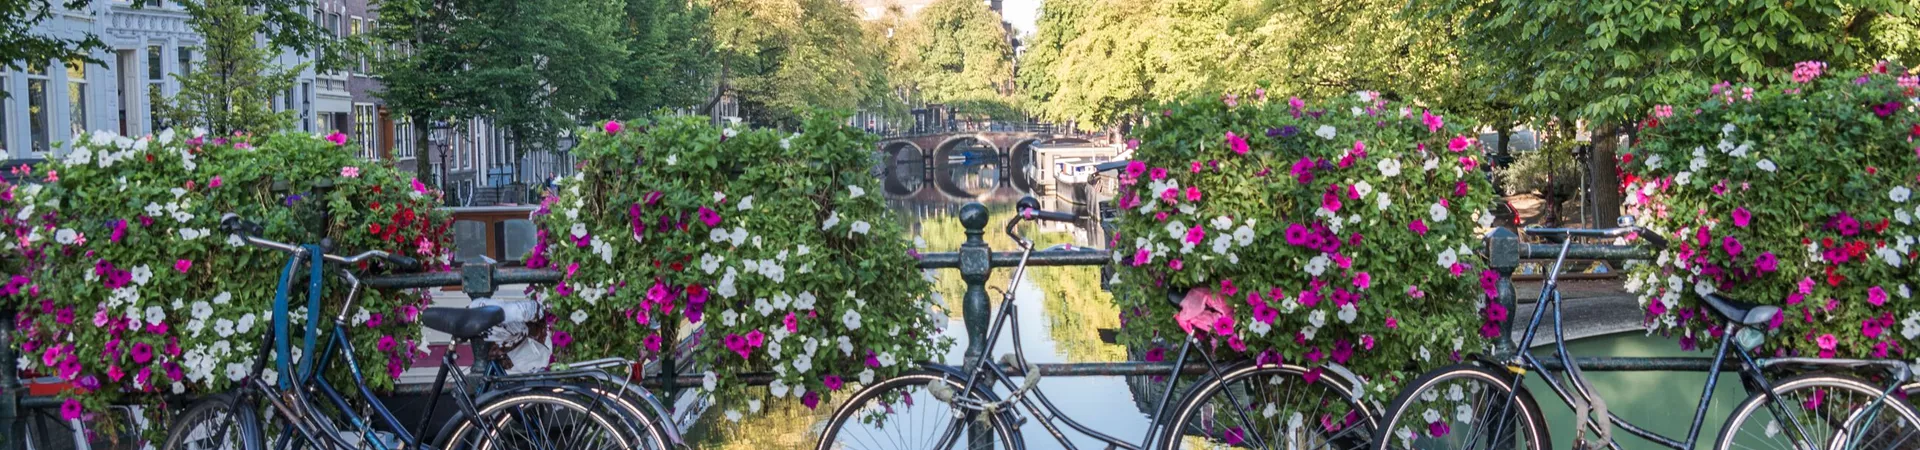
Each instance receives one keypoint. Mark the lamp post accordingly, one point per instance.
(439, 139)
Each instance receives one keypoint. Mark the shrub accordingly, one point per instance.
(1796, 195)
(122, 235)
(781, 237)
(1339, 232)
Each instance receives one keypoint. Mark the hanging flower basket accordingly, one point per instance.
(777, 243)
(1798, 195)
(1334, 232)
(130, 294)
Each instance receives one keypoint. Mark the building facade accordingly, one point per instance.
(51, 101)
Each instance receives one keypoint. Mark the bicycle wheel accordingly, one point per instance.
(902, 413)
(537, 420)
(1462, 407)
(217, 422)
(1271, 406)
(1821, 411)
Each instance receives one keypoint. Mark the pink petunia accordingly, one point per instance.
(1363, 280)
(350, 172)
(1237, 143)
(1459, 143)
(337, 138)
(709, 216)
(1418, 227)
(1731, 246)
(612, 127)
(1876, 296)
(1193, 193)
(1196, 234)
(1175, 264)
(183, 265)
(1742, 217)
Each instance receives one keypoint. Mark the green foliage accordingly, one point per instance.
(1611, 60)
(782, 58)
(671, 62)
(1337, 234)
(288, 27)
(770, 239)
(962, 56)
(541, 64)
(133, 297)
(1799, 197)
(235, 86)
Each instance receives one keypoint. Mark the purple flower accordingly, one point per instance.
(561, 339)
(1876, 296)
(709, 217)
(1767, 263)
(119, 231)
(1237, 143)
(654, 197)
(1742, 217)
(1437, 429)
(141, 352)
(1303, 170)
(71, 409)
(1731, 245)
(811, 399)
(833, 382)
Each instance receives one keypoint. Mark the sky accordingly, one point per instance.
(1021, 13)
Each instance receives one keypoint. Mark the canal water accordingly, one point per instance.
(1062, 311)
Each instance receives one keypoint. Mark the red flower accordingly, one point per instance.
(373, 228)
(1916, 130)
(1834, 278)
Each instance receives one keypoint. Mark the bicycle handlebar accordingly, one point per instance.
(231, 223)
(1028, 208)
(1653, 239)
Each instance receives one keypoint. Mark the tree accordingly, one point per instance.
(424, 74)
(779, 58)
(964, 57)
(1057, 25)
(546, 62)
(671, 61)
(1608, 62)
(236, 84)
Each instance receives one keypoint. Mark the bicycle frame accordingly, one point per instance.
(984, 366)
(1750, 371)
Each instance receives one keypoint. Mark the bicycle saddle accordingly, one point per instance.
(463, 323)
(1741, 312)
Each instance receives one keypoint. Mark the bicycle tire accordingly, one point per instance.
(1000, 423)
(1198, 406)
(1901, 419)
(1398, 414)
(465, 434)
(244, 433)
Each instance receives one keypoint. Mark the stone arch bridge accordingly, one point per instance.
(966, 164)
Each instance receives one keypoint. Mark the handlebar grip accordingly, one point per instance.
(403, 263)
(231, 223)
(1029, 208)
(1653, 239)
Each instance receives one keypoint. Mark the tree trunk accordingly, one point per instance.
(422, 149)
(1603, 176)
(719, 91)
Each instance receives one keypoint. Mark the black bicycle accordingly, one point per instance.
(1243, 404)
(1483, 404)
(583, 408)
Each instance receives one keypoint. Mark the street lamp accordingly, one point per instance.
(439, 139)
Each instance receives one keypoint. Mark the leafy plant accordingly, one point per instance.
(1798, 195)
(1334, 233)
(1551, 173)
(783, 238)
(131, 294)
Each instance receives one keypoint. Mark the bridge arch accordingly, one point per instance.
(905, 167)
(947, 173)
(1021, 165)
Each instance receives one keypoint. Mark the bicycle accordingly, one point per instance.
(1811, 409)
(1211, 413)
(551, 410)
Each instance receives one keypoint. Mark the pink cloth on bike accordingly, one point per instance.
(1202, 308)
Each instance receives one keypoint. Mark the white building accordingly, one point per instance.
(51, 101)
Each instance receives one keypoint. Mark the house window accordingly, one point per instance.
(333, 24)
(364, 132)
(156, 88)
(186, 61)
(5, 111)
(402, 139)
(39, 128)
(77, 96)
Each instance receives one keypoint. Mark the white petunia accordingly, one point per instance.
(717, 235)
(1683, 178)
(1222, 223)
(851, 319)
(1259, 328)
(1176, 229)
(673, 159)
(1348, 313)
(142, 274)
(66, 236)
(1317, 318)
(804, 302)
(846, 346)
(833, 219)
(1364, 188)
(579, 316)
(733, 415)
(746, 203)
(246, 323)
(729, 318)
(1448, 258)
(155, 315)
(778, 388)
(861, 226)
(223, 327)
(739, 236)
(1899, 194)
(1767, 165)
(1437, 212)
(709, 381)
(1389, 167)
(1696, 164)
(866, 376)
(1325, 132)
(1243, 236)
(1222, 244)
(236, 371)
(1317, 265)
(854, 191)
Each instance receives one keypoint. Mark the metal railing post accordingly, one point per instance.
(976, 265)
(1503, 256)
(14, 428)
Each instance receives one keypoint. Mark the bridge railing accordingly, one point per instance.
(975, 261)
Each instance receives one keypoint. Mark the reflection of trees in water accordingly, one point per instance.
(1076, 311)
(784, 424)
